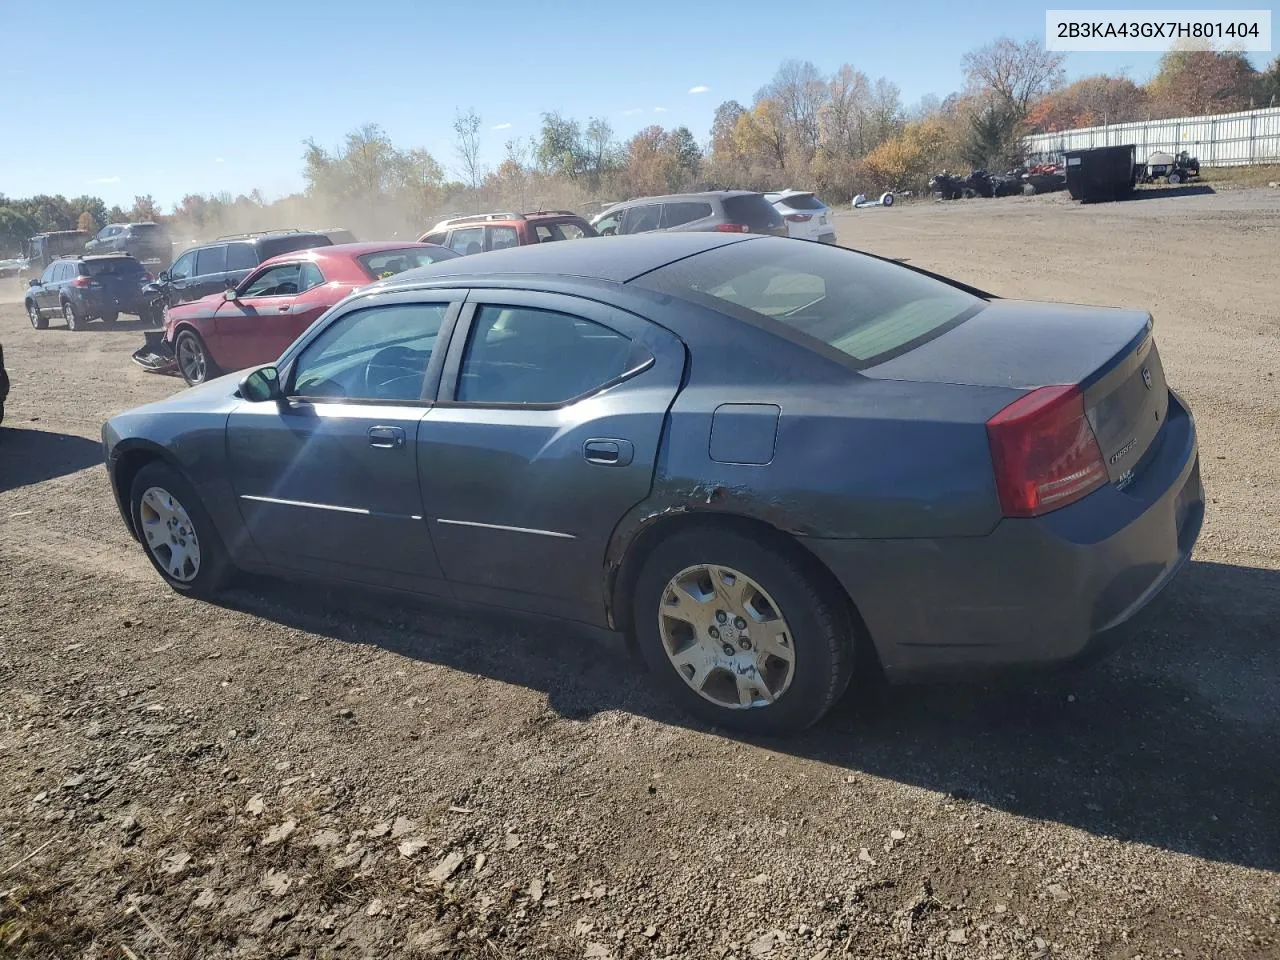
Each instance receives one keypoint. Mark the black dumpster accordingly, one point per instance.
(1103, 173)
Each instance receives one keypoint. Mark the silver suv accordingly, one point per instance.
(719, 211)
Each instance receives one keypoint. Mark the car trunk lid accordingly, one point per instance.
(1109, 353)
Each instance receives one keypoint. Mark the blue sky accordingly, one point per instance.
(135, 96)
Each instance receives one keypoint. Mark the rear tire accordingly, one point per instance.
(194, 362)
(176, 532)
(782, 671)
(71, 317)
(38, 320)
(1175, 178)
(111, 317)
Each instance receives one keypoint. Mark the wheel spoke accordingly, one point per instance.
(773, 643)
(695, 663)
(683, 605)
(733, 588)
(751, 687)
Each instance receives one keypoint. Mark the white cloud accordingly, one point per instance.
(219, 160)
(700, 88)
(632, 112)
(501, 126)
(659, 109)
(104, 180)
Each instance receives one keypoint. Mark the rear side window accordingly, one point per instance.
(436, 238)
(211, 260)
(502, 237)
(388, 263)
(467, 241)
(523, 355)
(865, 308)
(674, 214)
(241, 256)
(802, 201)
(274, 246)
(753, 210)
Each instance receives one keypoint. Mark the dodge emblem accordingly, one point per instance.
(1146, 377)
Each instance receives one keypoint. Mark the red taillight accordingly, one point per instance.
(83, 282)
(799, 217)
(732, 228)
(1044, 452)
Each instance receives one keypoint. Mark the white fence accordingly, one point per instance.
(1223, 140)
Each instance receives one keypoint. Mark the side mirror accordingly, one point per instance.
(33, 282)
(230, 293)
(163, 276)
(261, 385)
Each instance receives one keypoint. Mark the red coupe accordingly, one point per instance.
(253, 322)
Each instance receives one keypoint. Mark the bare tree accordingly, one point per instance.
(466, 130)
(800, 92)
(1017, 74)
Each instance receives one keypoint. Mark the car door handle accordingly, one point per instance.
(286, 308)
(609, 453)
(386, 438)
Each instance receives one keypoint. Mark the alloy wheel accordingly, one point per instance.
(169, 533)
(191, 359)
(726, 637)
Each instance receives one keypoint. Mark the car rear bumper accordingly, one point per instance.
(1036, 592)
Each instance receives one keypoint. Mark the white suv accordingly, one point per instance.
(806, 216)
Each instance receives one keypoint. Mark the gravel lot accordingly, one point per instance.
(301, 773)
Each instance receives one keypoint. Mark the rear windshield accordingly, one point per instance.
(387, 263)
(865, 308)
(802, 201)
(275, 246)
(753, 210)
(137, 229)
(115, 266)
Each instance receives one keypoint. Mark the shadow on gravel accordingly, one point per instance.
(1173, 742)
(30, 456)
(1155, 193)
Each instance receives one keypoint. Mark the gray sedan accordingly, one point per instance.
(768, 462)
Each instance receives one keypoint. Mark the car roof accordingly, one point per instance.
(615, 259)
(698, 195)
(258, 237)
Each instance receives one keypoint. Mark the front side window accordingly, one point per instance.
(643, 218)
(607, 226)
(279, 281)
(309, 277)
(378, 353)
(524, 355)
(211, 260)
(49, 271)
(181, 268)
(865, 308)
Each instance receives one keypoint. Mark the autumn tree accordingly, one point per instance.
(907, 160)
(87, 223)
(144, 208)
(466, 133)
(1090, 101)
(1267, 89)
(1199, 82)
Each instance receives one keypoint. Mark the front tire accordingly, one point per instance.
(741, 632)
(71, 317)
(176, 532)
(38, 319)
(194, 362)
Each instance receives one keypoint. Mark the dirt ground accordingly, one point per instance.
(294, 772)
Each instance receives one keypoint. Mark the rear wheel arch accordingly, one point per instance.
(625, 573)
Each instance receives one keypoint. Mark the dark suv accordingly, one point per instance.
(218, 264)
(496, 231)
(80, 289)
(722, 211)
(147, 242)
(42, 249)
